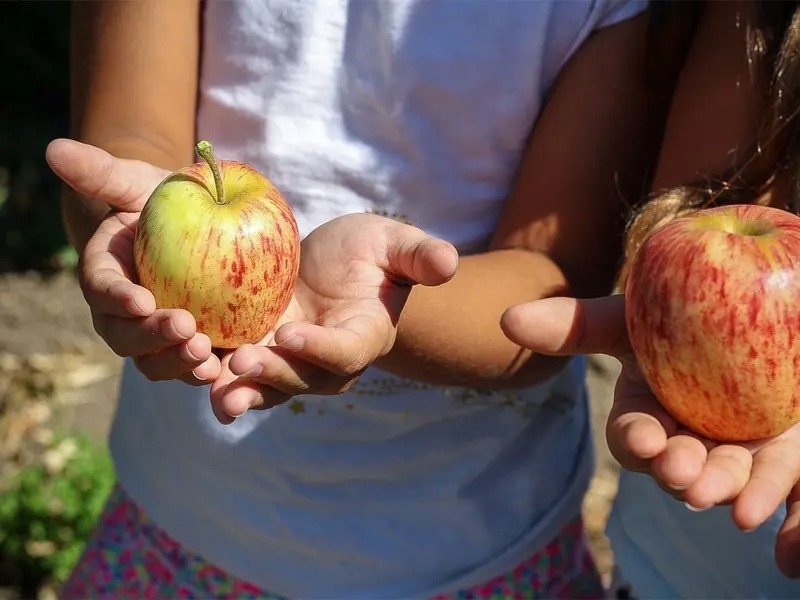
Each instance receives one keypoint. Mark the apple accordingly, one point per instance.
(218, 239)
(713, 316)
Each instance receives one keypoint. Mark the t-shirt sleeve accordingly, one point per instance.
(615, 11)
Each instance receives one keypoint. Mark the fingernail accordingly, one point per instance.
(197, 377)
(294, 343)
(694, 508)
(677, 488)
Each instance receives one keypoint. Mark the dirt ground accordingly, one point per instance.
(45, 329)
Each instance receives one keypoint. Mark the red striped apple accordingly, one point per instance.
(219, 240)
(713, 315)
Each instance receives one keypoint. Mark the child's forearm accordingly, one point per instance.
(588, 155)
(450, 335)
(143, 111)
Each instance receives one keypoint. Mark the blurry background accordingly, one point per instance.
(57, 379)
(57, 382)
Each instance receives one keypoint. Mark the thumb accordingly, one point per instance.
(123, 184)
(568, 326)
(419, 258)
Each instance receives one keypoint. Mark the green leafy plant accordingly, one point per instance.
(48, 510)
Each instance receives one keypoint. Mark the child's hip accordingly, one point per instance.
(129, 556)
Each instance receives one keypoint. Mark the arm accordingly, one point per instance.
(134, 87)
(588, 156)
(717, 109)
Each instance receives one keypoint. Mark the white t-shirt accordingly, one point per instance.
(395, 489)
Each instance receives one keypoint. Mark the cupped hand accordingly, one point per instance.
(356, 273)
(755, 478)
(164, 343)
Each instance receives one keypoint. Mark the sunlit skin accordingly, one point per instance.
(713, 315)
(219, 240)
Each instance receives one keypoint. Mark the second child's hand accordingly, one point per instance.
(754, 478)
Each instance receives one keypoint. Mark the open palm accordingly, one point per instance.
(356, 272)
(755, 478)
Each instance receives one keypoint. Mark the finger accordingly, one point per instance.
(219, 386)
(231, 396)
(240, 395)
(637, 430)
(137, 337)
(787, 545)
(567, 326)
(108, 292)
(681, 463)
(122, 184)
(724, 476)
(346, 349)
(106, 282)
(179, 361)
(414, 256)
(286, 376)
(776, 469)
(207, 372)
(261, 377)
(265, 365)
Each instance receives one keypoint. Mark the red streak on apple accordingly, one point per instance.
(713, 303)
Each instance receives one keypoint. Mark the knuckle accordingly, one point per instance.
(270, 398)
(103, 182)
(355, 364)
(735, 456)
(92, 281)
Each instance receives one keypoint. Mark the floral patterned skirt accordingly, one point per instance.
(129, 556)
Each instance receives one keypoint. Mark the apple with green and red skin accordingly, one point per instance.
(713, 316)
(218, 239)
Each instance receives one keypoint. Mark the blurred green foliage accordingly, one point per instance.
(34, 108)
(48, 510)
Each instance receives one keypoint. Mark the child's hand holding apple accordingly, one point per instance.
(708, 399)
(220, 267)
(356, 273)
(164, 343)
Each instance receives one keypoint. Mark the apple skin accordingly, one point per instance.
(713, 315)
(233, 266)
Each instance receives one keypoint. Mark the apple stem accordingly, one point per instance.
(205, 152)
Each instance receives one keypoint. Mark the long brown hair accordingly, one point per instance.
(773, 47)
